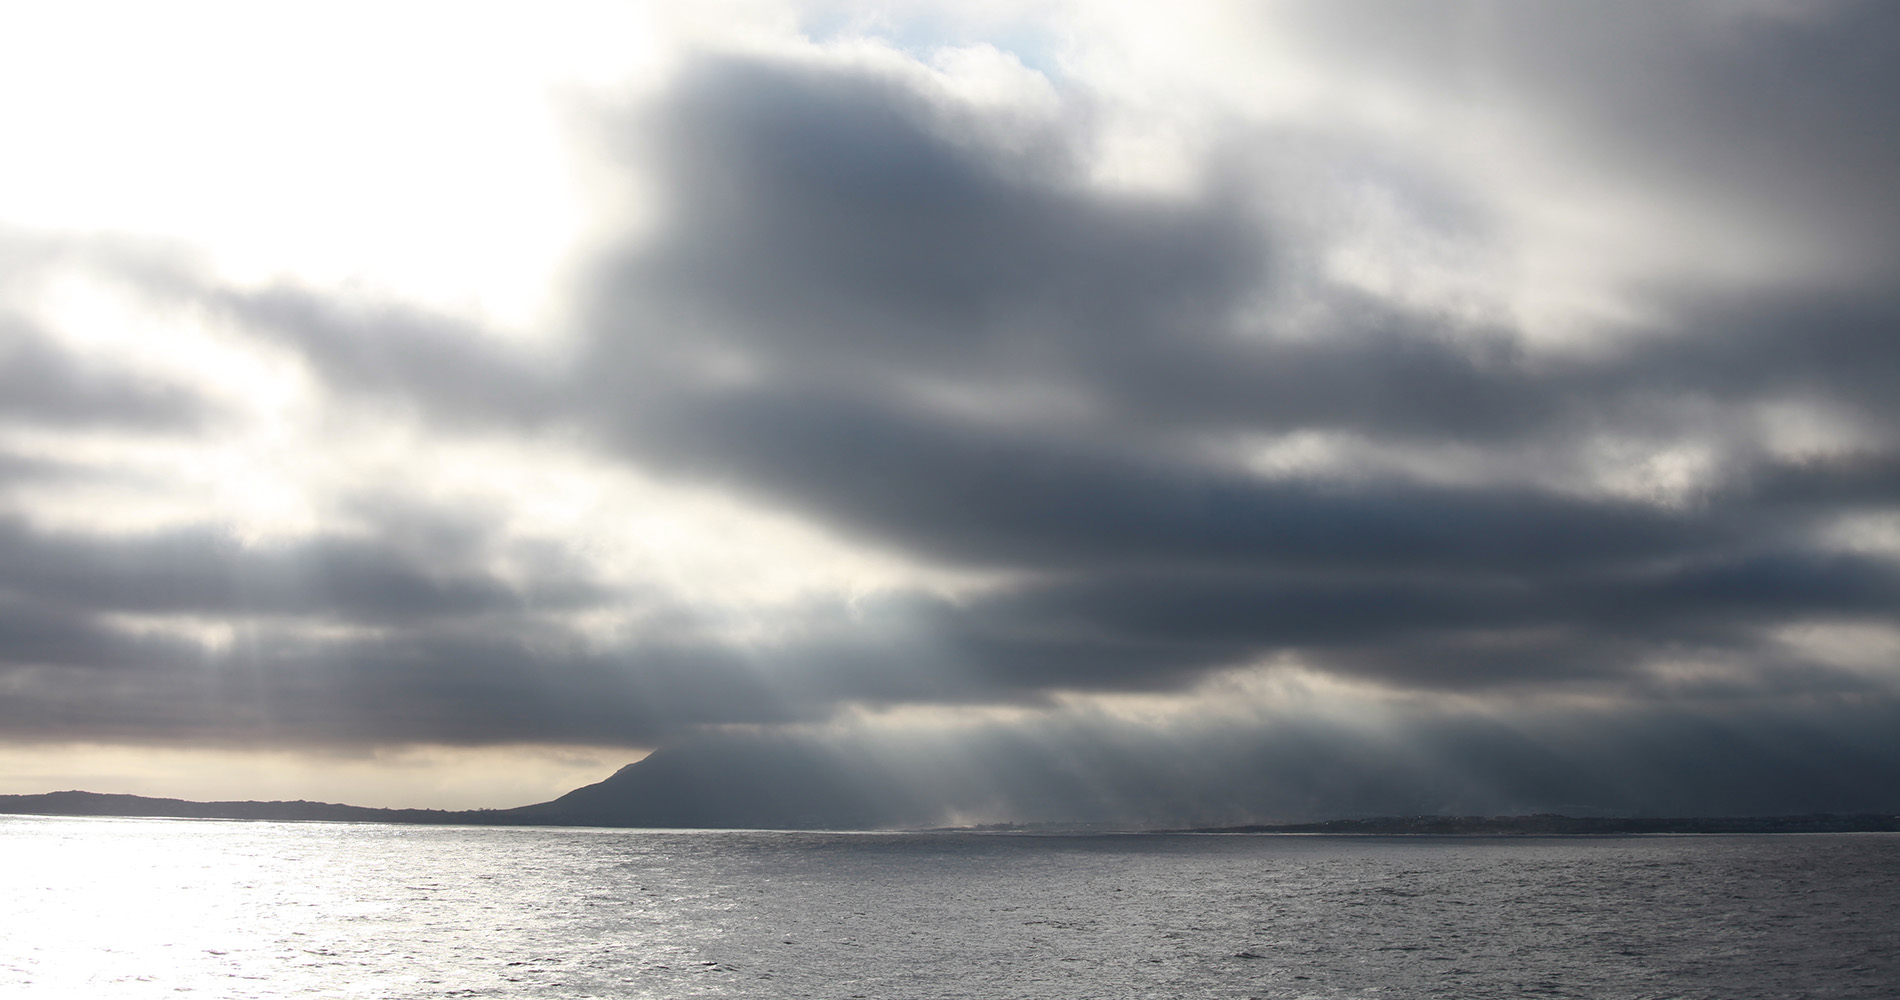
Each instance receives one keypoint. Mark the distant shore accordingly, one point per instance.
(1554, 825)
(77, 803)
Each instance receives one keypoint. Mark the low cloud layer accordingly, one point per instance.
(1519, 358)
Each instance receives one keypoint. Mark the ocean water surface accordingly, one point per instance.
(143, 908)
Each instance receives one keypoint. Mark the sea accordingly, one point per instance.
(99, 907)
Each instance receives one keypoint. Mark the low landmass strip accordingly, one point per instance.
(77, 803)
(1546, 824)
(74, 803)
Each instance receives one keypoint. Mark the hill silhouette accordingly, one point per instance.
(788, 785)
(724, 786)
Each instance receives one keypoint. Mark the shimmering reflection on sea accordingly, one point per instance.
(105, 908)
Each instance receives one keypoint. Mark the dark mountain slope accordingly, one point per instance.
(726, 785)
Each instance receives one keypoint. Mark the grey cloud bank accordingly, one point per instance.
(1173, 439)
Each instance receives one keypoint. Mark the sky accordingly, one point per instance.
(1220, 412)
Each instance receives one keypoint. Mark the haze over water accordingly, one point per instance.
(125, 908)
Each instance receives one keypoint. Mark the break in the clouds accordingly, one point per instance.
(1488, 369)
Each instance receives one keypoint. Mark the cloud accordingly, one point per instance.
(42, 383)
(839, 263)
(1301, 401)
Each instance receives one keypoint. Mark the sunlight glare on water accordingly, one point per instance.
(134, 908)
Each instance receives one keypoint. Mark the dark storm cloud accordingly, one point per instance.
(38, 637)
(398, 353)
(830, 231)
(17, 469)
(204, 572)
(400, 632)
(1869, 479)
(43, 384)
(1782, 111)
(835, 203)
(474, 680)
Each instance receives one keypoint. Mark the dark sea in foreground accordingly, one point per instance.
(144, 907)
